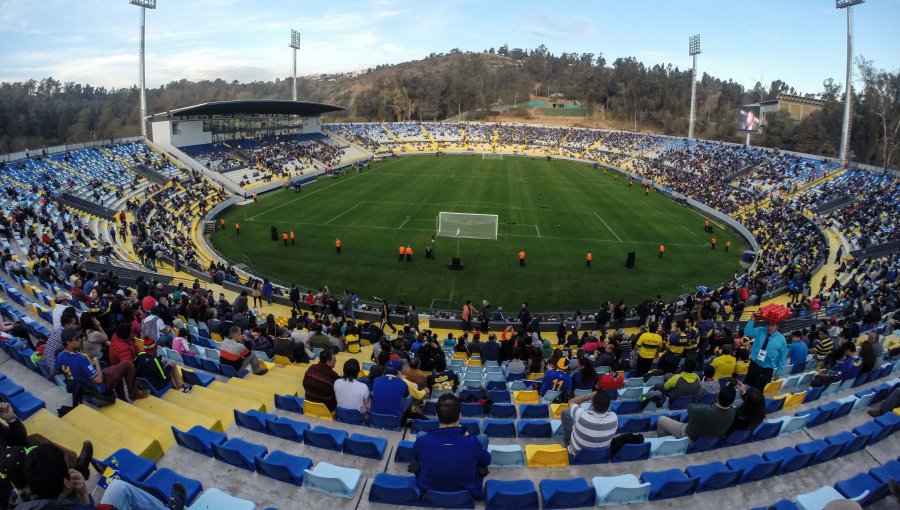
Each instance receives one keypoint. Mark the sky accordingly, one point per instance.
(801, 42)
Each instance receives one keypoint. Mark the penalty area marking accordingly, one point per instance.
(404, 223)
(607, 226)
(345, 212)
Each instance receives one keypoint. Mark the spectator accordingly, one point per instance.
(588, 428)
(867, 355)
(647, 346)
(515, 366)
(79, 368)
(55, 343)
(181, 344)
(752, 411)
(490, 350)
(390, 393)
(585, 378)
(320, 340)
(416, 376)
(50, 483)
(556, 379)
(724, 364)
(743, 362)
(318, 382)
(768, 354)
(709, 386)
(234, 353)
(611, 380)
(63, 301)
(684, 383)
(96, 339)
(849, 368)
(447, 459)
(703, 420)
(824, 345)
(122, 346)
(158, 372)
(798, 350)
(442, 379)
(891, 402)
(350, 393)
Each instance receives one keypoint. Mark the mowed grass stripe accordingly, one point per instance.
(544, 207)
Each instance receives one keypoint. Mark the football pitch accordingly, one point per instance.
(556, 211)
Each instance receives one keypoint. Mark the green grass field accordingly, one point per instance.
(555, 210)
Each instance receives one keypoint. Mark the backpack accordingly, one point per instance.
(619, 441)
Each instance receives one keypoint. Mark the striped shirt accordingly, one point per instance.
(590, 429)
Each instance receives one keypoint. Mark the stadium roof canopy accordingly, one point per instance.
(251, 107)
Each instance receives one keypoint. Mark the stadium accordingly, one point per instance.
(513, 314)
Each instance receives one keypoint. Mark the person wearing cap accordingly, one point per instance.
(78, 367)
(158, 372)
(768, 355)
(319, 379)
(556, 379)
(63, 301)
(390, 393)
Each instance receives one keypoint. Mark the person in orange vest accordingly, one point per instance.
(337, 246)
(588, 258)
(727, 245)
(647, 191)
(237, 228)
(713, 243)
(293, 242)
(222, 223)
(662, 249)
(254, 197)
(284, 237)
(706, 225)
(522, 258)
(402, 253)
(408, 253)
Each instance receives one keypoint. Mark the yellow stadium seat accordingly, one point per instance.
(794, 400)
(526, 397)
(282, 360)
(53, 428)
(546, 455)
(557, 409)
(317, 410)
(473, 363)
(535, 376)
(460, 355)
(94, 424)
(183, 417)
(137, 419)
(773, 388)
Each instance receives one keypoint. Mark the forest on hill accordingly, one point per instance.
(623, 93)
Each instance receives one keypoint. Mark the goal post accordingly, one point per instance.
(467, 225)
(491, 155)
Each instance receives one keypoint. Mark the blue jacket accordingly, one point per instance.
(776, 352)
(448, 461)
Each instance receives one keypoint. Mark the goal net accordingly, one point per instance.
(467, 226)
(491, 155)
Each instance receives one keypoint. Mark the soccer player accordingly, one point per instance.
(337, 246)
(588, 259)
(522, 258)
(662, 249)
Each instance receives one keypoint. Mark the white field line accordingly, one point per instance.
(345, 212)
(607, 226)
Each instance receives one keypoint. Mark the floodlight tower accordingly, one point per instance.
(693, 51)
(295, 43)
(845, 126)
(144, 5)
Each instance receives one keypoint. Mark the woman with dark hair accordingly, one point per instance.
(269, 328)
(350, 393)
(752, 411)
(867, 353)
(95, 338)
(557, 354)
(122, 346)
(586, 376)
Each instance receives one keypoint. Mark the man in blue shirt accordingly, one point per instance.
(768, 355)
(557, 379)
(798, 351)
(450, 460)
(849, 368)
(389, 392)
(490, 351)
(78, 367)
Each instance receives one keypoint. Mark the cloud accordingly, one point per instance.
(560, 28)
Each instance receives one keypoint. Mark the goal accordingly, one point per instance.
(491, 155)
(467, 226)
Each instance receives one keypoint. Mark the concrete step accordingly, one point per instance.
(99, 428)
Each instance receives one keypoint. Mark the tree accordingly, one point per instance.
(881, 91)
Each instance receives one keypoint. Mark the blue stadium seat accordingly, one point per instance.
(161, 481)
(500, 396)
(813, 394)
(886, 472)
(534, 429)
(253, 420)
(714, 476)
(473, 427)
(499, 428)
(350, 416)
(507, 455)
(25, 404)
(199, 439)
(289, 403)
(667, 446)
(703, 444)
(384, 421)
(503, 411)
(791, 459)
(283, 466)
(197, 378)
(754, 468)
(394, 490)
(849, 442)
(620, 490)
(333, 480)
(737, 437)
(365, 446)
(680, 403)
(822, 450)
(472, 410)
(817, 499)
(633, 424)
(874, 430)
(215, 499)
(453, 499)
(766, 430)
(286, 428)
(856, 487)
(572, 493)
(784, 504)
(627, 407)
(817, 416)
(510, 495)
(404, 452)
(533, 411)
(324, 437)
(428, 425)
(671, 483)
(132, 468)
(239, 453)
(774, 405)
(631, 452)
(587, 456)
